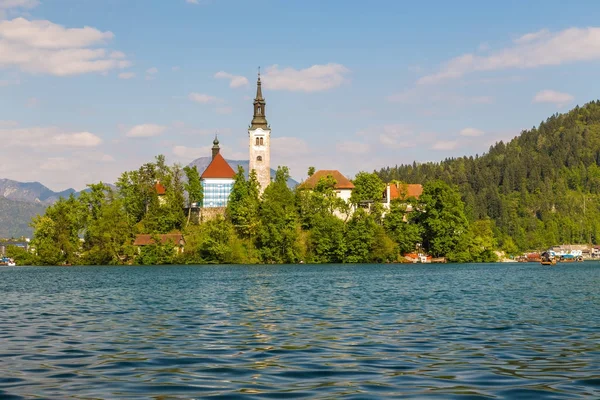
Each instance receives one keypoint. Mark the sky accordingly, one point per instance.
(89, 89)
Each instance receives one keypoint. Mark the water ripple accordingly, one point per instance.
(352, 331)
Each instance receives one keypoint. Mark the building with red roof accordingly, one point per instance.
(402, 192)
(217, 179)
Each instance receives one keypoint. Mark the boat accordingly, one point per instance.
(567, 258)
(7, 262)
(547, 259)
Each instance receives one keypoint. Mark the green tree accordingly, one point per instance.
(279, 231)
(401, 226)
(326, 240)
(193, 187)
(442, 218)
(360, 236)
(243, 204)
(56, 238)
(367, 187)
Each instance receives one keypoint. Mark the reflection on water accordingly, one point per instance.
(451, 331)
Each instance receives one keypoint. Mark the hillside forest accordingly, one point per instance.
(540, 189)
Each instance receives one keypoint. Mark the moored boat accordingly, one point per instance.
(547, 259)
(7, 262)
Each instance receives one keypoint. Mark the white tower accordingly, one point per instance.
(260, 140)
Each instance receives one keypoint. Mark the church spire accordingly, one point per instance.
(259, 119)
(259, 88)
(215, 149)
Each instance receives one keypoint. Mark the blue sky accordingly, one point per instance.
(89, 89)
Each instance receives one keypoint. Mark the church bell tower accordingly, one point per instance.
(259, 134)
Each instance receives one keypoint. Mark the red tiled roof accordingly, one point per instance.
(218, 168)
(160, 189)
(403, 192)
(145, 240)
(341, 181)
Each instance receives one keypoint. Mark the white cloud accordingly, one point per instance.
(151, 73)
(203, 98)
(145, 130)
(554, 97)
(391, 135)
(47, 136)
(191, 153)
(192, 1)
(8, 124)
(45, 47)
(313, 79)
(471, 132)
(175, 69)
(57, 164)
(47, 35)
(28, 4)
(12, 6)
(444, 145)
(126, 75)
(352, 147)
(531, 50)
(288, 146)
(235, 81)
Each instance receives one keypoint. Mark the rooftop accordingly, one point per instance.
(404, 191)
(146, 240)
(218, 168)
(341, 181)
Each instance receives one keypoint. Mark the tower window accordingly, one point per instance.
(259, 158)
(261, 141)
(258, 110)
(257, 141)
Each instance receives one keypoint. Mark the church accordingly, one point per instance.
(217, 179)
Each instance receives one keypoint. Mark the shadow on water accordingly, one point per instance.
(354, 331)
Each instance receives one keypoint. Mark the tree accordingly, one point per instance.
(367, 187)
(243, 204)
(278, 233)
(442, 218)
(401, 226)
(360, 235)
(56, 238)
(326, 241)
(193, 187)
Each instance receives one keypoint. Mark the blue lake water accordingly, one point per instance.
(355, 331)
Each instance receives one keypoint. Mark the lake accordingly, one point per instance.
(301, 331)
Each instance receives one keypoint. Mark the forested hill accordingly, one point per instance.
(542, 188)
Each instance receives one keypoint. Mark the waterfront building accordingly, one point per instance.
(343, 187)
(259, 134)
(217, 180)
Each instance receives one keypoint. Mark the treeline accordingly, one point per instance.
(540, 189)
(282, 226)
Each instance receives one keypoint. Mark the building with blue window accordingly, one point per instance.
(217, 180)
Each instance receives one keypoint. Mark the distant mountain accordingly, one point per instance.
(15, 217)
(202, 164)
(30, 192)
